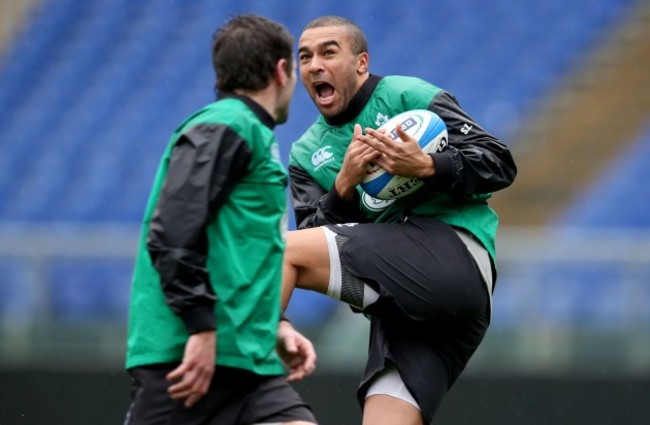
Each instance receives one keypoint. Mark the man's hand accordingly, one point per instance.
(355, 165)
(192, 378)
(296, 351)
(405, 159)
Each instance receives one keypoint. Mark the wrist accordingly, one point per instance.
(343, 189)
(428, 168)
(284, 317)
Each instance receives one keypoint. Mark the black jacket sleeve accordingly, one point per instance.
(314, 206)
(205, 164)
(474, 162)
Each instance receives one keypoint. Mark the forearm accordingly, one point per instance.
(206, 162)
(186, 285)
(474, 162)
(314, 206)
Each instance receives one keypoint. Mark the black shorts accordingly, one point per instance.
(235, 397)
(433, 308)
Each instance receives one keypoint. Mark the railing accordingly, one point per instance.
(566, 300)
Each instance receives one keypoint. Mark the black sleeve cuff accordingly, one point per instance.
(283, 316)
(444, 177)
(199, 319)
(344, 211)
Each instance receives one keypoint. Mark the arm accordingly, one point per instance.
(313, 206)
(205, 164)
(475, 162)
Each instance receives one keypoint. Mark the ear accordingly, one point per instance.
(282, 72)
(362, 63)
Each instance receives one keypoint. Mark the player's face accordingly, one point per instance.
(330, 71)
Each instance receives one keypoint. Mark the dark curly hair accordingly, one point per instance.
(245, 51)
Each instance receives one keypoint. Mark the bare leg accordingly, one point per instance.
(381, 409)
(306, 263)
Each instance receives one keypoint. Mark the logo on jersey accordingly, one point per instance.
(374, 204)
(381, 119)
(466, 128)
(321, 157)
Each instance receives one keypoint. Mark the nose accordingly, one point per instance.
(315, 64)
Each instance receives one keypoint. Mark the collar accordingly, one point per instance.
(257, 109)
(357, 103)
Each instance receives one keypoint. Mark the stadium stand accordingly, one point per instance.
(89, 290)
(91, 90)
(581, 124)
(596, 292)
(617, 197)
(19, 296)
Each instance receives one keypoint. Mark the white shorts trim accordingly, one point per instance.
(389, 382)
(482, 259)
(335, 283)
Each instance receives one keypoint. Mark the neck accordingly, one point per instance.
(361, 81)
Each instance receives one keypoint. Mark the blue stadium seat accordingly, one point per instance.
(614, 198)
(310, 309)
(585, 295)
(82, 63)
(90, 290)
(91, 90)
(19, 294)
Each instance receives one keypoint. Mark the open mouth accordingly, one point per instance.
(324, 91)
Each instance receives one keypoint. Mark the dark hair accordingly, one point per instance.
(245, 51)
(358, 40)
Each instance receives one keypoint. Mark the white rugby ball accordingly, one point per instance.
(431, 133)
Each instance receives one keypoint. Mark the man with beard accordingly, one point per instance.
(206, 342)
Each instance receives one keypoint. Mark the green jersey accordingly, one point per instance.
(452, 197)
(213, 241)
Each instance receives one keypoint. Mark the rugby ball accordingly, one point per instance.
(431, 133)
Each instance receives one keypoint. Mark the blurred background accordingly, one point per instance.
(90, 91)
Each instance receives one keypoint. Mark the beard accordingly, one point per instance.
(281, 114)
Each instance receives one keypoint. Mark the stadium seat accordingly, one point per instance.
(92, 89)
(20, 296)
(614, 198)
(90, 290)
(110, 46)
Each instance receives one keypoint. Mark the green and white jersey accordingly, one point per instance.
(474, 164)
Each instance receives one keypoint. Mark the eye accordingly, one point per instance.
(303, 57)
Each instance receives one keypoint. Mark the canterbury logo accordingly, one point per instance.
(322, 156)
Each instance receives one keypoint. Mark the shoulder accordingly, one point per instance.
(410, 92)
(231, 112)
(229, 118)
(308, 143)
(311, 136)
(407, 83)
